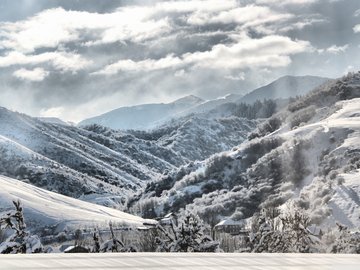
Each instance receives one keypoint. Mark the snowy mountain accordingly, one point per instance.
(284, 87)
(43, 208)
(308, 152)
(198, 136)
(150, 116)
(104, 166)
(143, 117)
(74, 161)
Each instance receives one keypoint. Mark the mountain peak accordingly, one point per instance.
(285, 87)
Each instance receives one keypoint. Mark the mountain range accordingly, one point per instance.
(150, 116)
(223, 159)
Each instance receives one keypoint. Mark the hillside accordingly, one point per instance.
(43, 208)
(74, 161)
(284, 87)
(308, 152)
(103, 165)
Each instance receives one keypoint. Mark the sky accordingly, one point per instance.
(79, 58)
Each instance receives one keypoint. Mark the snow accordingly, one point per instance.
(43, 207)
(180, 261)
(346, 201)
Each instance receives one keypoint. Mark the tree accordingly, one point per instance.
(96, 238)
(266, 235)
(287, 232)
(188, 236)
(20, 241)
(114, 244)
(295, 223)
(347, 241)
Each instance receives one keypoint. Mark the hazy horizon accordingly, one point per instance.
(78, 59)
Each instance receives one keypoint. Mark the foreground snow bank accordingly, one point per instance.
(180, 261)
(44, 208)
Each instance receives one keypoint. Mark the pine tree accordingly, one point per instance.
(188, 236)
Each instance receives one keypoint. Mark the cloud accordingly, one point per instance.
(286, 2)
(145, 65)
(52, 112)
(301, 22)
(357, 28)
(62, 61)
(54, 27)
(36, 75)
(250, 15)
(357, 13)
(269, 51)
(239, 77)
(334, 49)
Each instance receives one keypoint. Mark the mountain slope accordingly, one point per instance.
(74, 161)
(308, 152)
(144, 116)
(44, 208)
(103, 165)
(284, 87)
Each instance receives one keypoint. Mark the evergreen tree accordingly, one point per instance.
(188, 236)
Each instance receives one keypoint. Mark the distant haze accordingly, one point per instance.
(79, 59)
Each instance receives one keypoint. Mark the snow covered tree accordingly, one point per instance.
(114, 244)
(96, 238)
(347, 241)
(188, 236)
(295, 223)
(286, 232)
(265, 235)
(20, 241)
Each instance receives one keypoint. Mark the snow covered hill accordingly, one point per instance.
(196, 137)
(76, 162)
(106, 166)
(44, 208)
(143, 117)
(285, 87)
(308, 152)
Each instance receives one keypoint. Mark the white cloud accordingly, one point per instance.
(301, 23)
(286, 2)
(334, 49)
(145, 65)
(239, 77)
(36, 75)
(53, 27)
(180, 73)
(247, 16)
(269, 51)
(337, 49)
(52, 112)
(62, 61)
(357, 28)
(357, 13)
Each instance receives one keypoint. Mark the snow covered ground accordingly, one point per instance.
(42, 207)
(181, 261)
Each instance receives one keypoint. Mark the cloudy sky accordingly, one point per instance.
(79, 58)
